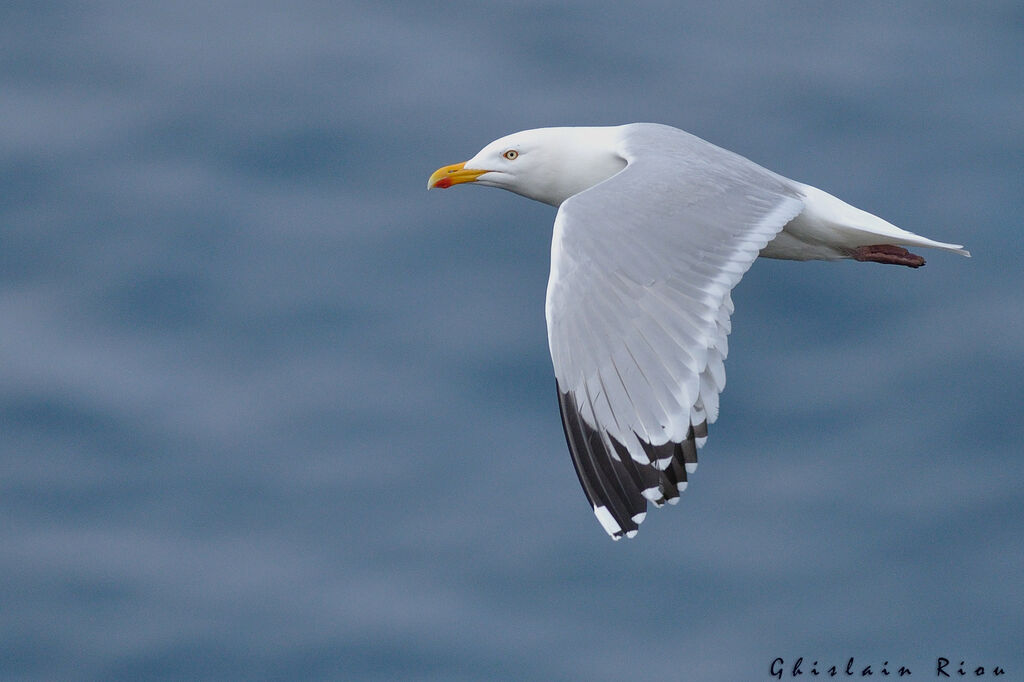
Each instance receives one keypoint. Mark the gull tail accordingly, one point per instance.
(829, 228)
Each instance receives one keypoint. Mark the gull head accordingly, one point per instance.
(546, 164)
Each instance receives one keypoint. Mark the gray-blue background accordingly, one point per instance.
(270, 410)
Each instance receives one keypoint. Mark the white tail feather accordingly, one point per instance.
(829, 227)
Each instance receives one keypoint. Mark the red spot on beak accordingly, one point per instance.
(443, 183)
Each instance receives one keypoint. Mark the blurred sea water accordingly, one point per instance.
(271, 411)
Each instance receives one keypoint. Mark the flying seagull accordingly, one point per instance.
(654, 228)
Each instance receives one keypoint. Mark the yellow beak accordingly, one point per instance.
(453, 175)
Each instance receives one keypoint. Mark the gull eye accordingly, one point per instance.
(511, 154)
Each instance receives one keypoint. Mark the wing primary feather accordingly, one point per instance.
(574, 438)
(666, 451)
(660, 419)
(645, 477)
(677, 471)
(597, 478)
(673, 476)
(614, 471)
(608, 402)
(625, 391)
(688, 452)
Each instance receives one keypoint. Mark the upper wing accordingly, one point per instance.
(638, 310)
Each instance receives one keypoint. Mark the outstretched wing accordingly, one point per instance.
(638, 310)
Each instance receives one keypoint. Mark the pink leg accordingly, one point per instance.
(888, 254)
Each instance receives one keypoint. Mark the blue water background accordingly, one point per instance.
(272, 411)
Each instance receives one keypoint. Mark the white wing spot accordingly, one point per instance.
(652, 494)
(606, 519)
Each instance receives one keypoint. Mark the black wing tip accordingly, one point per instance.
(617, 486)
(606, 481)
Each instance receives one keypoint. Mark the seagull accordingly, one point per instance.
(654, 228)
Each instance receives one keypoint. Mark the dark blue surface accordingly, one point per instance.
(270, 410)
